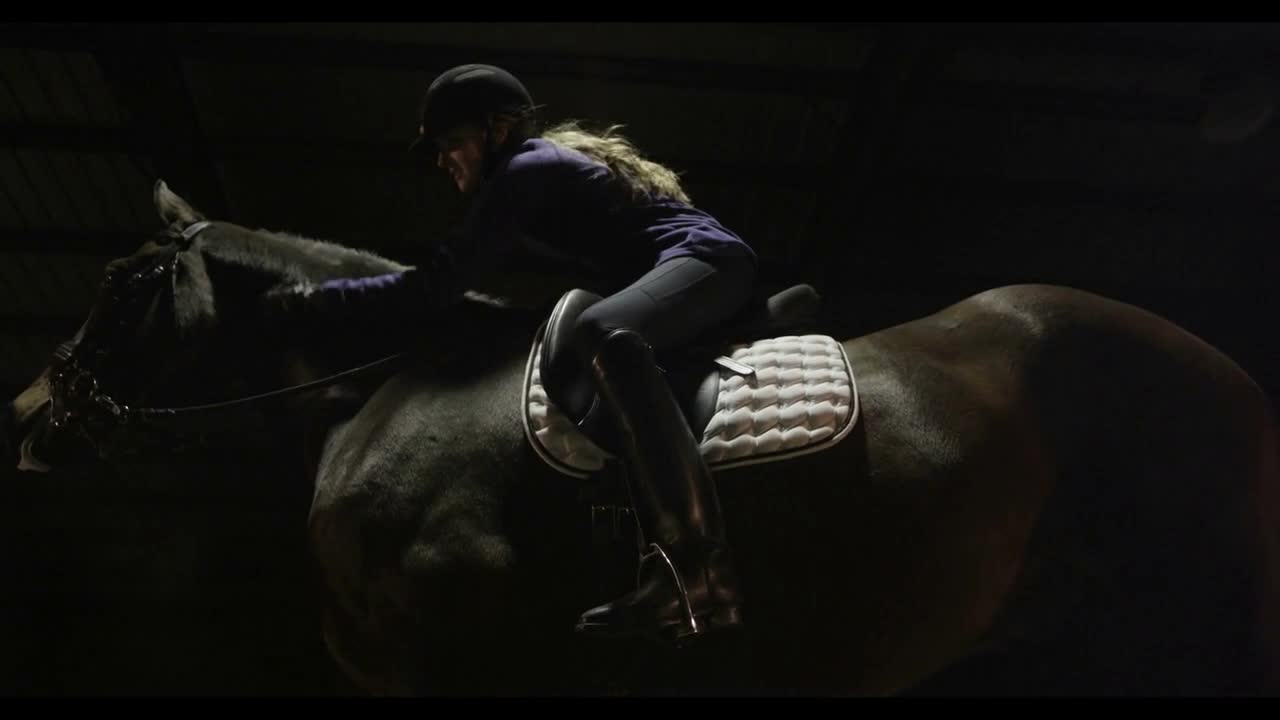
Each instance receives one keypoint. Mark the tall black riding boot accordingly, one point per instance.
(686, 583)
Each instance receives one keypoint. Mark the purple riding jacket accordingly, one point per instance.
(547, 202)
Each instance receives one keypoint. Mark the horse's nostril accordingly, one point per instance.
(44, 447)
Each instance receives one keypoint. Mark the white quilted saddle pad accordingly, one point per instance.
(801, 398)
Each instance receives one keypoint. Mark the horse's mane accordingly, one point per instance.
(276, 258)
(280, 259)
(292, 257)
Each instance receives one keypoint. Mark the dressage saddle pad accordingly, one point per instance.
(779, 397)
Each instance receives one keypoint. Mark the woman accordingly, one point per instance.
(671, 272)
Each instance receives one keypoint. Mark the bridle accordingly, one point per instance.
(77, 399)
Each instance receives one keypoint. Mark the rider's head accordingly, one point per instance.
(469, 114)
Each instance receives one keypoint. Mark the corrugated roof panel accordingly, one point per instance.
(275, 100)
(82, 291)
(36, 274)
(10, 219)
(122, 191)
(30, 297)
(22, 193)
(86, 273)
(34, 103)
(52, 190)
(61, 292)
(8, 289)
(1165, 76)
(69, 295)
(94, 92)
(781, 44)
(82, 194)
(9, 110)
(137, 179)
(98, 176)
(55, 88)
(296, 197)
(379, 105)
(49, 71)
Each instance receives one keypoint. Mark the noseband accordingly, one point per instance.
(79, 402)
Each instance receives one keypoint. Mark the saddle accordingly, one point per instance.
(760, 389)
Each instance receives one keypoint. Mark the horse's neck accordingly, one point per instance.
(318, 261)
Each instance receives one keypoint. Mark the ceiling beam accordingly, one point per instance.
(222, 46)
(1217, 45)
(810, 83)
(1109, 105)
(106, 244)
(1213, 45)
(148, 79)
(364, 153)
(72, 138)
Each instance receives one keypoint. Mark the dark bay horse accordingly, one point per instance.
(1046, 492)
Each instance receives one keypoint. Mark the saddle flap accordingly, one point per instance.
(566, 384)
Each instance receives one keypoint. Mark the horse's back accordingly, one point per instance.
(1154, 559)
(1046, 491)
(1073, 486)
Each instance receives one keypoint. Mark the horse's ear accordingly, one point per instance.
(172, 208)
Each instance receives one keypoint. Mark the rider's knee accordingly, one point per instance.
(589, 333)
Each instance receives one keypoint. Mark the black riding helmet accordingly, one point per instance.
(468, 94)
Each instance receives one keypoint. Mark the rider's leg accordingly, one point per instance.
(686, 583)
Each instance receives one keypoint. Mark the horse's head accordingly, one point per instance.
(143, 308)
(173, 325)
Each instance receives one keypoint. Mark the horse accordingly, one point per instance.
(1036, 490)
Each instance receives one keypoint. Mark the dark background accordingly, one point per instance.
(898, 168)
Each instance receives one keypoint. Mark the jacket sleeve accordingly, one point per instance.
(501, 214)
(400, 299)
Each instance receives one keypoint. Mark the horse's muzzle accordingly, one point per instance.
(36, 445)
(43, 447)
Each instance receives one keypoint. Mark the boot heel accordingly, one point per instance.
(724, 618)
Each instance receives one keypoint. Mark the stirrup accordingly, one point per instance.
(729, 616)
(691, 627)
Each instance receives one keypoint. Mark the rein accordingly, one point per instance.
(76, 397)
(150, 414)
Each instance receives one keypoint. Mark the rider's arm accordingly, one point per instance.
(500, 214)
(409, 296)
